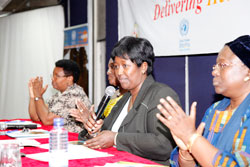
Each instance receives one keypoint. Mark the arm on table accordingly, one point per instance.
(37, 108)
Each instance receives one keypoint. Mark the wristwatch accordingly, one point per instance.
(37, 98)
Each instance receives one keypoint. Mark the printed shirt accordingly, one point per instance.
(61, 103)
(240, 152)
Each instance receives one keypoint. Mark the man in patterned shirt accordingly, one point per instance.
(65, 75)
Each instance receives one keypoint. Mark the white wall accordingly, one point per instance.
(30, 43)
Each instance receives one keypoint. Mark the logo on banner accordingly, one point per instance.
(73, 37)
(184, 27)
(184, 44)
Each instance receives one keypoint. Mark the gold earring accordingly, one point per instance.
(246, 79)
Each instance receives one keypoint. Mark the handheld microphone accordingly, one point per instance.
(109, 91)
(4, 125)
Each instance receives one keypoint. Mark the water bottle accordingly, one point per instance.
(58, 144)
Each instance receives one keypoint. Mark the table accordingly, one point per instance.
(90, 162)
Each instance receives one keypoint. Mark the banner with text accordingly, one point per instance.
(184, 27)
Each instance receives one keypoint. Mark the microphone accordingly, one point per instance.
(4, 126)
(109, 91)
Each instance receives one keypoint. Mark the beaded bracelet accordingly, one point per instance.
(191, 141)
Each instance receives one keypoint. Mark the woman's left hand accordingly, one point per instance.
(104, 139)
(79, 115)
(180, 124)
(82, 113)
(38, 89)
(31, 93)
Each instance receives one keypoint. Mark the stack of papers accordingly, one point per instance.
(36, 133)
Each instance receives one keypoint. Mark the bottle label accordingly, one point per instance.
(58, 158)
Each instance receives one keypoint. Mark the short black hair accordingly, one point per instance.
(70, 68)
(138, 50)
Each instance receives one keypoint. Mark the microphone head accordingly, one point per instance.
(110, 91)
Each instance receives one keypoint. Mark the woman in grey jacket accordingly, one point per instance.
(132, 125)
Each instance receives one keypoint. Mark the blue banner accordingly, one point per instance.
(75, 37)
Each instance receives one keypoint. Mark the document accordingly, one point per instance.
(22, 142)
(36, 133)
(74, 152)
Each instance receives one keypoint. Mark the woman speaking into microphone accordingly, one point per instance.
(132, 126)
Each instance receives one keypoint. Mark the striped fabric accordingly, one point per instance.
(240, 152)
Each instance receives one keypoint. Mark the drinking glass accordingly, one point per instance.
(10, 155)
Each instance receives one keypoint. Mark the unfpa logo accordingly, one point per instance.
(184, 27)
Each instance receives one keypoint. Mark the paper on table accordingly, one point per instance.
(129, 164)
(28, 142)
(22, 142)
(74, 152)
(34, 133)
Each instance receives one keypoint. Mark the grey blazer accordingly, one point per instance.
(141, 133)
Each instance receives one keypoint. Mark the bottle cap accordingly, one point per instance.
(58, 122)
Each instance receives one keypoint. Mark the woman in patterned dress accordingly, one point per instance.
(223, 137)
(65, 75)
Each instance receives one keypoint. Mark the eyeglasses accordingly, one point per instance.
(221, 66)
(57, 76)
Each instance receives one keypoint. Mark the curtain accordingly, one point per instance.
(30, 44)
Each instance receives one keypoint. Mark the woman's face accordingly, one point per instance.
(229, 73)
(111, 73)
(59, 81)
(129, 74)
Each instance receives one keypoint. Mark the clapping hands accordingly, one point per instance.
(81, 113)
(182, 126)
(36, 88)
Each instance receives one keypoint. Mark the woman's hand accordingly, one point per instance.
(181, 144)
(38, 88)
(91, 125)
(180, 124)
(104, 139)
(31, 93)
(82, 113)
(79, 115)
